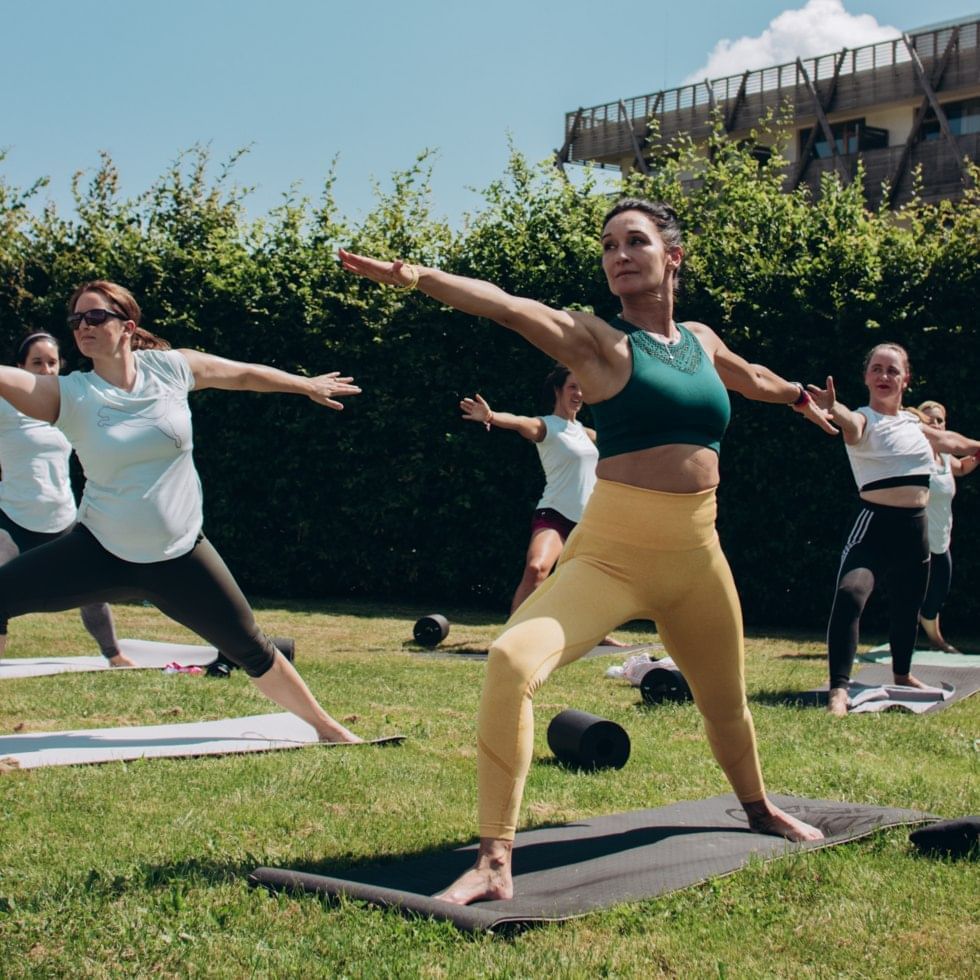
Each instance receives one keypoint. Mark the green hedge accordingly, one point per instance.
(396, 497)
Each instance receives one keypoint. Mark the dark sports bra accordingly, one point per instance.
(673, 395)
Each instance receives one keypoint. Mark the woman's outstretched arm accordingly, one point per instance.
(944, 441)
(36, 395)
(477, 410)
(851, 423)
(211, 371)
(757, 382)
(569, 337)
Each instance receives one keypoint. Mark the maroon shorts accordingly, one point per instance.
(549, 518)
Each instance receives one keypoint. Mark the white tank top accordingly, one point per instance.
(890, 446)
(142, 497)
(35, 490)
(569, 459)
(939, 510)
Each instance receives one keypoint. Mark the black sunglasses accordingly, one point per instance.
(94, 318)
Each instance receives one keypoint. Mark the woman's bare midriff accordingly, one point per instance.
(898, 496)
(677, 468)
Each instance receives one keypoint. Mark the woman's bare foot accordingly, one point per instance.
(611, 641)
(764, 818)
(935, 637)
(838, 702)
(907, 680)
(121, 660)
(333, 731)
(489, 879)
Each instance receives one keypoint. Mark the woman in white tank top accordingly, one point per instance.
(939, 517)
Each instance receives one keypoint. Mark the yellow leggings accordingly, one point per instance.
(637, 554)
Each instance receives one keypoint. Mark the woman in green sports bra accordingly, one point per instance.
(646, 547)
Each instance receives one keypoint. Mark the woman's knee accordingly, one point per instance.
(256, 656)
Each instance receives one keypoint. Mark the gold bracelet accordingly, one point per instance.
(406, 286)
(488, 421)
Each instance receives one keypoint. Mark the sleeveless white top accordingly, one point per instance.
(569, 459)
(890, 446)
(939, 510)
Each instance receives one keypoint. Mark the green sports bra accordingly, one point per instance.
(673, 395)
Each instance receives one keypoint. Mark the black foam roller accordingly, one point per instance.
(430, 631)
(949, 838)
(587, 741)
(664, 684)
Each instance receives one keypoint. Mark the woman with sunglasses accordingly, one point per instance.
(646, 547)
(946, 467)
(36, 500)
(139, 534)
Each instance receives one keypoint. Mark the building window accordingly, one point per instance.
(851, 136)
(964, 117)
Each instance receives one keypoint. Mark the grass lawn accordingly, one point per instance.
(138, 869)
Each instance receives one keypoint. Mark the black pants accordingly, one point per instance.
(940, 575)
(196, 590)
(885, 544)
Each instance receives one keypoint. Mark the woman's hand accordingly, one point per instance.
(395, 273)
(476, 410)
(326, 388)
(824, 398)
(809, 409)
(851, 424)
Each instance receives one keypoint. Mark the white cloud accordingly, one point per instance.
(819, 27)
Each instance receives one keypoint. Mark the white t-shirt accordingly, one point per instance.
(142, 497)
(890, 446)
(569, 459)
(35, 490)
(939, 510)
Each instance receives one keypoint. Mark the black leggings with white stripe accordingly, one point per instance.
(885, 544)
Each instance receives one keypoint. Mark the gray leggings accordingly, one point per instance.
(196, 590)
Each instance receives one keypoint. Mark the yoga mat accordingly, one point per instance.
(255, 733)
(957, 682)
(599, 651)
(145, 653)
(567, 871)
(922, 658)
(586, 741)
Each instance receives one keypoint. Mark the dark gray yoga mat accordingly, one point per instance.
(469, 653)
(567, 871)
(964, 680)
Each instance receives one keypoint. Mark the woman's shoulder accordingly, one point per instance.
(170, 365)
(702, 333)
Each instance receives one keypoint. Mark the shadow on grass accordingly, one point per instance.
(790, 698)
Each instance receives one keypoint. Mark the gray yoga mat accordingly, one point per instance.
(567, 871)
(963, 681)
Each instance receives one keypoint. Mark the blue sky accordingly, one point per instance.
(304, 81)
